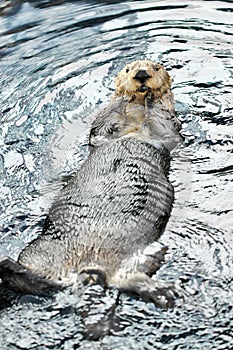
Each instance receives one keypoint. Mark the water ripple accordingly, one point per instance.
(58, 60)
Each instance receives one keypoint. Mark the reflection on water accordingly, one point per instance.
(58, 60)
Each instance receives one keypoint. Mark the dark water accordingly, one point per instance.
(58, 60)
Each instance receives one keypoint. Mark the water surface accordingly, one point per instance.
(58, 60)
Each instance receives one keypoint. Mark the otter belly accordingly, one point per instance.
(117, 203)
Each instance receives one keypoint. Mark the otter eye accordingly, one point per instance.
(127, 70)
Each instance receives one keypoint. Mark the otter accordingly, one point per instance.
(105, 224)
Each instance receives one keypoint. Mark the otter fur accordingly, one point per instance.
(104, 225)
(142, 106)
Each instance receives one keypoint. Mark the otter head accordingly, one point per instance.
(141, 79)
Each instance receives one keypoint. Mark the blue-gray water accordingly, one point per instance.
(58, 60)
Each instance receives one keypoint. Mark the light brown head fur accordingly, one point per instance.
(144, 78)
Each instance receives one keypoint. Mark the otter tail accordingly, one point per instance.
(16, 277)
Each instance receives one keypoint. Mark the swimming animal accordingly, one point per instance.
(104, 225)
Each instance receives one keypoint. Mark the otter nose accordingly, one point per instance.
(142, 76)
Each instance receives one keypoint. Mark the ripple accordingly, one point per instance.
(58, 60)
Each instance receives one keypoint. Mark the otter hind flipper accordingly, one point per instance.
(17, 277)
(163, 295)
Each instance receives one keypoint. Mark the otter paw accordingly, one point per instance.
(161, 294)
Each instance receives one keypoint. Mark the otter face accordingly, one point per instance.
(142, 78)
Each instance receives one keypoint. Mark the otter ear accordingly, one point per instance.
(170, 80)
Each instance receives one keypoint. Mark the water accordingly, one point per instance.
(58, 60)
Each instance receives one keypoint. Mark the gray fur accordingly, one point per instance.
(116, 204)
(154, 125)
(99, 227)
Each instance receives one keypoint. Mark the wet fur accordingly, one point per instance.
(99, 227)
(148, 115)
(157, 88)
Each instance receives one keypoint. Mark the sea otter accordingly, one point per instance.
(102, 226)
